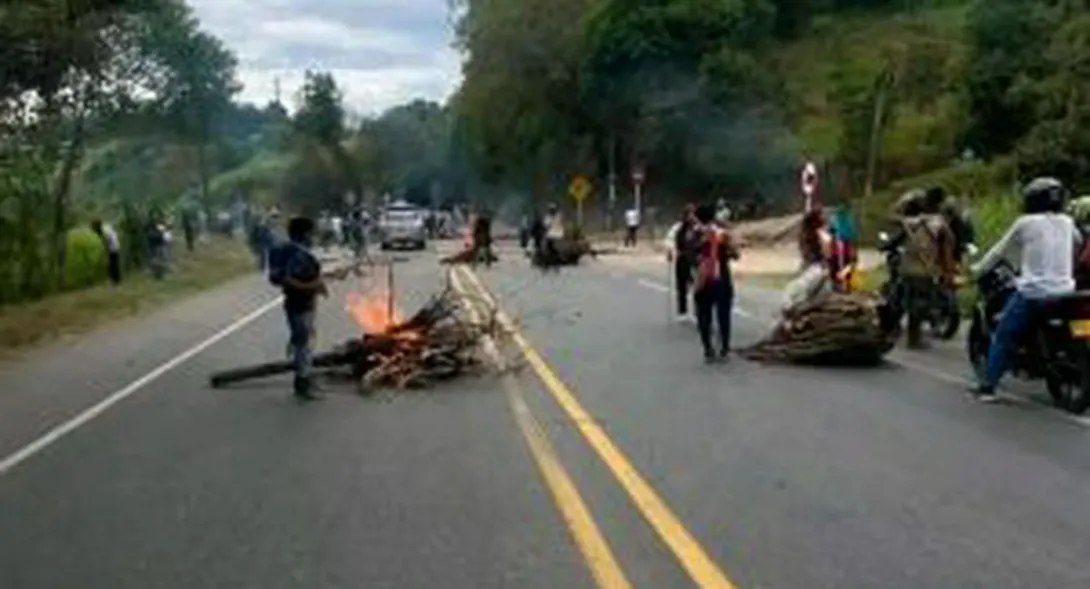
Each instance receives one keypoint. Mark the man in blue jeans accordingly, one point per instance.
(1048, 241)
(302, 284)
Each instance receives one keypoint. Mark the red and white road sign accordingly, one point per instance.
(637, 175)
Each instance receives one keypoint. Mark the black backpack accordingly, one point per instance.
(279, 256)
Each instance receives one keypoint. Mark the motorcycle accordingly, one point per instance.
(1054, 347)
(943, 317)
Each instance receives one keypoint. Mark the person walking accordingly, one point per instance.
(713, 290)
(632, 226)
(113, 249)
(680, 253)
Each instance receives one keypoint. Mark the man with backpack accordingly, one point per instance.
(927, 262)
(713, 286)
(298, 273)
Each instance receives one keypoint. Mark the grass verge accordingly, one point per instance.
(213, 263)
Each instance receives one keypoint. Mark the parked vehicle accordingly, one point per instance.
(943, 316)
(1055, 347)
(403, 224)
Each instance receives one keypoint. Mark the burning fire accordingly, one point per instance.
(372, 313)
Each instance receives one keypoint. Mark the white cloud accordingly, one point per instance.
(382, 52)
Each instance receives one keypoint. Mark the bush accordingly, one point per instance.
(86, 264)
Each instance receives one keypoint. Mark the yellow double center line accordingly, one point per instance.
(588, 538)
(692, 556)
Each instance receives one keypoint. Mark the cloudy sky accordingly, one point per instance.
(382, 52)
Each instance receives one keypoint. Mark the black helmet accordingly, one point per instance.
(1044, 195)
(934, 198)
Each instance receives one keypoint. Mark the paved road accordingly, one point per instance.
(614, 458)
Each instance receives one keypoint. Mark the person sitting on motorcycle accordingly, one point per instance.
(1048, 240)
(926, 263)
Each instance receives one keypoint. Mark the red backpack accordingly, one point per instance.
(707, 269)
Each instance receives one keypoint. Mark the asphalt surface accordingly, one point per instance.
(781, 477)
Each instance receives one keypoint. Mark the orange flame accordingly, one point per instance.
(371, 313)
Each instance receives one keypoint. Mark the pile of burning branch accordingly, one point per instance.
(833, 329)
(438, 343)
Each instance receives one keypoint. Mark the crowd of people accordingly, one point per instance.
(155, 238)
(932, 231)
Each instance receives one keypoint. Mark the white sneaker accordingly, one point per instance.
(684, 319)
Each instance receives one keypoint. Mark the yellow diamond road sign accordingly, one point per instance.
(580, 188)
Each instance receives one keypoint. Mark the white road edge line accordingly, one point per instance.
(934, 373)
(52, 436)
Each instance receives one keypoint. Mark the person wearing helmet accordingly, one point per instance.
(1048, 240)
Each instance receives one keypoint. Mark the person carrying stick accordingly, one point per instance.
(680, 254)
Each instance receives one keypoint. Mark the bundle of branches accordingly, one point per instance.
(565, 252)
(470, 256)
(437, 343)
(833, 329)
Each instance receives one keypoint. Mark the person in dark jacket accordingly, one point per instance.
(682, 254)
(482, 238)
(301, 287)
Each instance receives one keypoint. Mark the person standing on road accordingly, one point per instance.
(1048, 240)
(713, 291)
(113, 249)
(554, 230)
(632, 226)
(482, 239)
(302, 284)
(680, 252)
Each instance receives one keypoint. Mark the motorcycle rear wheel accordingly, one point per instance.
(1079, 401)
(977, 345)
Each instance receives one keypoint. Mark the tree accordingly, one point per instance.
(194, 94)
(67, 61)
(319, 129)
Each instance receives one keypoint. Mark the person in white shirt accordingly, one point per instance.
(632, 226)
(113, 249)
(722, 213)
(680, 252)
(1048, 240)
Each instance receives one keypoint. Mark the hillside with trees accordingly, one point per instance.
(727, 97)
(120, 108)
